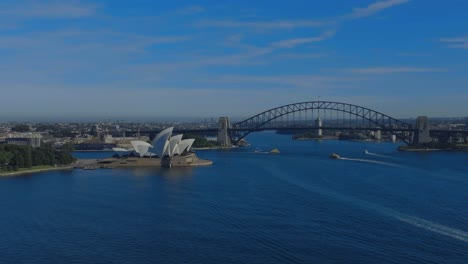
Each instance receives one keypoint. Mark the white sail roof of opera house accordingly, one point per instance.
(174, 145)
(160, 134)
(161, 143)
(140, 147)
(185, 145)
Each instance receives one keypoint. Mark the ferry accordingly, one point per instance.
(275, 151)
(334, 156)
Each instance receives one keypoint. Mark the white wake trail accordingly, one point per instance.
(379, 155)
(372, 161)
(412, 220)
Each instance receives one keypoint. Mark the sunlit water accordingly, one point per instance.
(299, 206)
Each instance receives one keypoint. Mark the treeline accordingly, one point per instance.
(14, 157)
(200, 142)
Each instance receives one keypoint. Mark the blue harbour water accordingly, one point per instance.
(299, 206)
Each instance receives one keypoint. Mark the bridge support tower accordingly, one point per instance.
(422, 131)
(318, 124)
(223, 133)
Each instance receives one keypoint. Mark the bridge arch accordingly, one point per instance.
(243, 128)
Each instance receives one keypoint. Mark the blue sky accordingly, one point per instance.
(154, 59)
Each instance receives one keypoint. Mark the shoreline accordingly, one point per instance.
(435, 148)
(316, 138)
(431, 150)
(31, 171)
(94, 150)
(215, 147)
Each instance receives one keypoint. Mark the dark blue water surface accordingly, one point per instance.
(299, 206)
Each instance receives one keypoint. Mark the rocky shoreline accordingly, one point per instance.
(23, 172)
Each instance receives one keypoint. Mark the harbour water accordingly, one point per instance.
(298, 206)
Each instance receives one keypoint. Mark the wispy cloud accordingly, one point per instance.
(390, 70)
(249, 53)
(47, 9)
(369, 10)
(374, 8)
(249, 56)
(302, 55)
(253, 52)
(192, 10)
(278, 24)
(412, 54)
(298, 81)
(291, 43)
(459, 42)
(56, 41)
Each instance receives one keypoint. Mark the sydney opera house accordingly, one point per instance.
(165, 149)
(163, 145)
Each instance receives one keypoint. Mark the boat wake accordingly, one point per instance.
(373, 161)
(378, 155)
(412, 220)
(259, 152)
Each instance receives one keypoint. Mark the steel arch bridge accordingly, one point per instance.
(375, 119)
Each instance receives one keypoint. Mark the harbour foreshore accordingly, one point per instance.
(114, 163)
(33, 170)
(215, 147)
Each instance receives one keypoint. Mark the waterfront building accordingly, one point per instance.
(163, 145)
(26, 139)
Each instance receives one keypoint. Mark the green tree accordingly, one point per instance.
(27, 157)
(200, 142)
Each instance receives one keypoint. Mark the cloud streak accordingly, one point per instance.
(391, 70)
(249, 53)
(297, 81)
(374, 8)
(277, 24)
(457, 43)
(357, 13)
(291, 43)
(47, 9)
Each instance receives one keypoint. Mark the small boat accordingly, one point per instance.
(334, 156)
(275, 151)
(366, 152)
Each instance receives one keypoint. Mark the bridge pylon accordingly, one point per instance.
(318, 123)
(223, 131)
(422, 131)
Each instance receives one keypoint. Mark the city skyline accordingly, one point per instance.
(109, 59)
